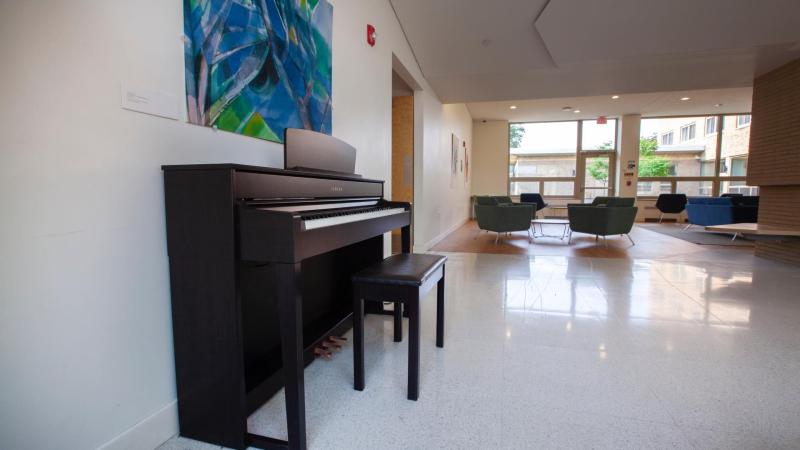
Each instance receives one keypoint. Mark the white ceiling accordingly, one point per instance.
(572, 48)
(733, 100)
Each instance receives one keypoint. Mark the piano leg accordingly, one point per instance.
(290, 305)
(405, 239)
(358, 340)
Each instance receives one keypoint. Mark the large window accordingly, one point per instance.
(695, 188)
(735, 146)
(543, 154)
(692, 156)
(738, 187)
(653, 188)
(544, 157)
(707, 164)
(596, 136)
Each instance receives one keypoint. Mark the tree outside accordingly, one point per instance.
(598, 168)
(515, 134)
(650, 164)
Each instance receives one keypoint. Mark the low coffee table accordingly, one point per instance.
(541, 222)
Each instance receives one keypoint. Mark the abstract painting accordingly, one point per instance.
(257, 67)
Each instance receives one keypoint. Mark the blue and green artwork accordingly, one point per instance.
(257, 67)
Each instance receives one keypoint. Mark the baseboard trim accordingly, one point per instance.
(428, 245)
(150, 432)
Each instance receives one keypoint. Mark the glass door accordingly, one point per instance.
(598, 176)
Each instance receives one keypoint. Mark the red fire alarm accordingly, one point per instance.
(601, 120)
(371, 35)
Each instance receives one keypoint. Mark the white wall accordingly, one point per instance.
(628, 150)
(85, 329)
(441, 205)
(491, 157)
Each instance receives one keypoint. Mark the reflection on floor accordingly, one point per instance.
(690, 350)
(649, 244)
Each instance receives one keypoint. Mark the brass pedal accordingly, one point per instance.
(332, 346)
(322, 353)
(337, 339)
(329, 346)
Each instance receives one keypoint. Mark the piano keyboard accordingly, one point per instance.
(331, 218)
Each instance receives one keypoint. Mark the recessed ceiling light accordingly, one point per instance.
(614, 97)
(717, 105)
(566, 108)
(684, 99)
(577, 111)
(512, 107)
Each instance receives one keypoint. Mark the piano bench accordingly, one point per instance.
(403, 279)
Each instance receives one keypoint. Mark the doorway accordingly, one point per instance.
(598, 175)
(402, 147)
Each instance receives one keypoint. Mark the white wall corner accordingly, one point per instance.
(428, 245)
(150, 432)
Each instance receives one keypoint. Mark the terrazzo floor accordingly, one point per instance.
(698, 350)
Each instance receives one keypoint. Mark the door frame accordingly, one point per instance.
(400, 69)
(580, 175)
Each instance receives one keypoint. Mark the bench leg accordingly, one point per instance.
(358, 340)
(413, 346)
(398, 321)
(440, 311)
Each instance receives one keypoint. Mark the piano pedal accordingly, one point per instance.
(328, 346)
(322, 353)
(337, 339)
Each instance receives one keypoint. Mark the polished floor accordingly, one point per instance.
(691, 350)
(469, 239)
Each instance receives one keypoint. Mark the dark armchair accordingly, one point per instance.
(670, 204)
(494, 200)
(606, 216)
(503, 218)
(533, 199)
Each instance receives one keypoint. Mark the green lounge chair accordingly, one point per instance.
(605, 216)
(503, 218)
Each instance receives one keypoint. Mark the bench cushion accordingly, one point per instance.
(410, 269)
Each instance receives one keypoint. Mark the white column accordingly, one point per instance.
(628, 155)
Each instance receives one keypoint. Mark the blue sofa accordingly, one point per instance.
(707, 211)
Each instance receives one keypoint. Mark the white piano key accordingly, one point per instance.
(312, 224)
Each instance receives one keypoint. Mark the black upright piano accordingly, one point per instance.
(260, 262)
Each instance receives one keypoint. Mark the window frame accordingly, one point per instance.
(580, 155)
(671, 135)
(578, 179)
(716, 180)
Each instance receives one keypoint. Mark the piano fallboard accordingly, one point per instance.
(264, 236)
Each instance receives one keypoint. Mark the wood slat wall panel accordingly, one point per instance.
(403, 149)
(774, 162)
(775, 131)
